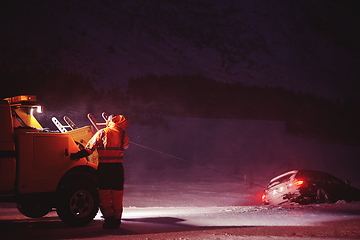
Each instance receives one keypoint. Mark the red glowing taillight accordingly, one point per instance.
(298, 182)
(263, 197)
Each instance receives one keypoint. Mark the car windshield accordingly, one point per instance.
(318, 176)
(307, 175)
(330, 179)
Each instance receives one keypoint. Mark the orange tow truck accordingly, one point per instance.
(36, 171)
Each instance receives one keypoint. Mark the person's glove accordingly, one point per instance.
(79, 154)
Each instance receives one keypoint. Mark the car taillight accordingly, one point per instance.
(263, 197)
(298, 182)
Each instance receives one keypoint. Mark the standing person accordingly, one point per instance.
(110, 142)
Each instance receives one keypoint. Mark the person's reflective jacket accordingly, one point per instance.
(110, 143)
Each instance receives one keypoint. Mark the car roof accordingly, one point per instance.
(284, 174)
(301, 171)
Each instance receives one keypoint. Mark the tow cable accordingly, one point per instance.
(199, 165)
(105, 116)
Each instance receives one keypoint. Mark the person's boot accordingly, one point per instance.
(111, 223)
(117, 223)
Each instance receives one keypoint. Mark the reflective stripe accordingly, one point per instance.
(110, 157)
(113, 155)
(110, 145)
(111, 148)
(106, 203)
(117, 201)
(110, 161)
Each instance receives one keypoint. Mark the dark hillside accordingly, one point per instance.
(150, 97)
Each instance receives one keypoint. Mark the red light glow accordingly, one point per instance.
(298, 183)
(263, 197)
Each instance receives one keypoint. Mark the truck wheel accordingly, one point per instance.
(77, 203)
(32, 209)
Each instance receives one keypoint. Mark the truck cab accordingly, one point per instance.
(36, 171)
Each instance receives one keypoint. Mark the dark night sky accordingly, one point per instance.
(307, 46)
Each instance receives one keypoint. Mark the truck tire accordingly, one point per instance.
(77, 203)
(32, 209)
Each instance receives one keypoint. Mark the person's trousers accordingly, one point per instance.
(111, 203)
(110, 177)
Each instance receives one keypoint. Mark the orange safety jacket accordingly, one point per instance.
(110, 143)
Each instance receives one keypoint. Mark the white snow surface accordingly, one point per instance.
(187, 182)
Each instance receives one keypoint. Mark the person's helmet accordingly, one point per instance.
(117, 121)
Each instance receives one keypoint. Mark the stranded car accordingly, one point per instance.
(306, 187)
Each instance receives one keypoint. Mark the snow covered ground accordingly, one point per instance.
(325, 221)
(187, 182)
